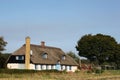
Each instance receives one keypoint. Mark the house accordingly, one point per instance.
(40, 57)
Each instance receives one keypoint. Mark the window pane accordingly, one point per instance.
(19, 57)
(44, 56)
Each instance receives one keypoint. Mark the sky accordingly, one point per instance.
(60, 23)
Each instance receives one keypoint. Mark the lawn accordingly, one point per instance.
(55, 75)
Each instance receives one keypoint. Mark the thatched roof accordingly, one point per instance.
(53, 55)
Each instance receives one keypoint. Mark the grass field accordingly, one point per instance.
(55, 75)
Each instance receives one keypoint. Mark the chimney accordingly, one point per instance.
(42, 44)
(27, 53)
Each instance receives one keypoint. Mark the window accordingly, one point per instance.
(63, 57)
(52, 66)
(58, 62)
(43, 67)
(16, 57)
(68, 68)
(31, 52)
(37, 67)
(19, 57)
(63, 67)
(45, 55)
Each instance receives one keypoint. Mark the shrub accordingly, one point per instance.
(77, 71)
(23, 71)
(98, 71)
(14, 71)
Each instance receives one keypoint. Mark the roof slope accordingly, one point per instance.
(54, 54)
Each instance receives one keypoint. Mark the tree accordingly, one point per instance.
(97, 48)
(3, 59)
(2, 44)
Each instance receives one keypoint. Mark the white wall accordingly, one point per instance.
(43, 67)
(49, 67)
(19, 66)
(63, 67)
(39, 67)
(32, 66)
(67, 68)
(15, 66)
(73, 68)
(53, 66)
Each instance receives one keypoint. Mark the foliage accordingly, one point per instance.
(24, 71)
(97, 71)
(98, 48)
(3, 59)
(116, 57)
(85, 61)
(2, 44)
(16, 71)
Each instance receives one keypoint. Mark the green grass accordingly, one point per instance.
(6, 74)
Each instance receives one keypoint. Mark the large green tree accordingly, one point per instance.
(98, 48)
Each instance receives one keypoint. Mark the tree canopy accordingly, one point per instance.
(98, 48)
(2, 44)
(2, 48)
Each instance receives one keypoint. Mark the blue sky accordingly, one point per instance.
(60, 23)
